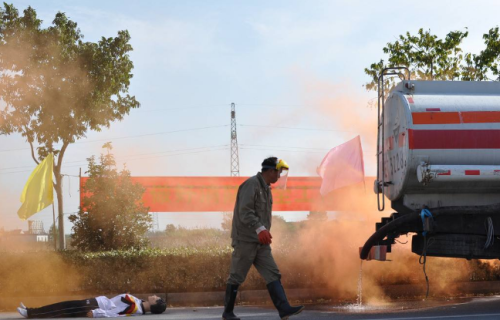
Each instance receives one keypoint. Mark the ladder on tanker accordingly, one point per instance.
(380, 183)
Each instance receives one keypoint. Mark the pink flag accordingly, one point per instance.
(342, 166)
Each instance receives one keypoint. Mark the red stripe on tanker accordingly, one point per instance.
(453, 139)
(447, 173)
(435, 116)
(472, 172)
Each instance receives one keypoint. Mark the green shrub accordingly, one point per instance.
(153, 270)
(139, 271)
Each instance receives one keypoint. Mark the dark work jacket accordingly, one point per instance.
(253, 209)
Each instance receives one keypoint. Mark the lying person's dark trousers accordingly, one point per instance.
(65, 309)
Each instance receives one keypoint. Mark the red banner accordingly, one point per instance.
(195, 194)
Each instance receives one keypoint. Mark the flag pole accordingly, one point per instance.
(54, 234)
(80, 190)
(362, 162)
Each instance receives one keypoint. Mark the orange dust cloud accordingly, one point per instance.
(327, 251)
(10, 203)
(36, 273)
(340, 106)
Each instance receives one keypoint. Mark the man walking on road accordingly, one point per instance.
(251, 239)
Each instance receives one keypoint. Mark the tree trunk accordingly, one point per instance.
(58, 187)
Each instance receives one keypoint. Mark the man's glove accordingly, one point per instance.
(265, 237)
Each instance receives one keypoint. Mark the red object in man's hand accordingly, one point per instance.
(265, 237)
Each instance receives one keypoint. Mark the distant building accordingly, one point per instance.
(42, 238)
(17, 239)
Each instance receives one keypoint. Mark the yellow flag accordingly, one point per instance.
(38, 191)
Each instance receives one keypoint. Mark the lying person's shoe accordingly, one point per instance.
(22, 312)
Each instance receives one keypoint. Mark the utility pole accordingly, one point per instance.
(235, 163)
(235, 159)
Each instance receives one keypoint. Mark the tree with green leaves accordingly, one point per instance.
(431, 58)
(112, 215)
(56, 87)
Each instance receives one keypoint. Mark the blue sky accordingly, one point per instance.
(293, 68)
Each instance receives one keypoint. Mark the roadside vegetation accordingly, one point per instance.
(198, 260)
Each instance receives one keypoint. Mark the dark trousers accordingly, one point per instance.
(75, 308)
(247, 253)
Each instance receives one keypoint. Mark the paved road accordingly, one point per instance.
(459, 309)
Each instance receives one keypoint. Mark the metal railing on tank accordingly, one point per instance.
(380, 183)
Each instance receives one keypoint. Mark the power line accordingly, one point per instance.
(187, 130)
(168, 153)
(276, 105)
(154, 134)
(224, 106)
(264, 146)
(213, 148)
(284, 150)
(306, 150)
(182, 108)
(175, 150)
(134, 136)
(18, 149)
(126, 156)
(292, 128)
(131, 155)
(219, 148)
(183, 153)
(69, 175)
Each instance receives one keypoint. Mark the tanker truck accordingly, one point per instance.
(438, 164)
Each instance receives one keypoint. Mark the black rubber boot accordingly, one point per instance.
(229, 300)
(280, 301)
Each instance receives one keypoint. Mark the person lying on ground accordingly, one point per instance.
(98, 307)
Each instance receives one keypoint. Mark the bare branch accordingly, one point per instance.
(61, 154)
(33, 153)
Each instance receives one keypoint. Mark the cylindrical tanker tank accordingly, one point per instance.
(441, 144)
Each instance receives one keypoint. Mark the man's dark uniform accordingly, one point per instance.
(253, 210)
(253, 214)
